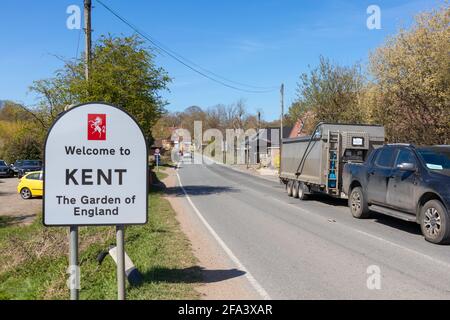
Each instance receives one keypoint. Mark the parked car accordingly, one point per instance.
(25, 166)
(5, 170)
(406, 182)
(15, 166)
(31, 185)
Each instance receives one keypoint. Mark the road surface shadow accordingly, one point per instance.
(168, 165)
(200, 190)
(410, 227)
(194, 274)
(406, 226)
(327, 200)
(152, 166)
(197, 190)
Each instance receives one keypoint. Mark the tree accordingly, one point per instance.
(331, 92)
(411, 74)
(189, 115)
(216, 117)
(162, 129)
(238, 114)
(20, 138)
(123, 73)
(27, 143)
(13, 112)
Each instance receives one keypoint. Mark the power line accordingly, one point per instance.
(185, 61)
(206, 70)
(211, 72)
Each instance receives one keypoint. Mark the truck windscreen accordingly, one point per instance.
(436, 160)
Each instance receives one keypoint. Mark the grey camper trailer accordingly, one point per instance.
(314, 163)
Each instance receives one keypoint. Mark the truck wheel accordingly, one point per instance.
(25, 193)
(435, 222)
(302, 189)
(289, 188)
(358, 204)
(295, 186)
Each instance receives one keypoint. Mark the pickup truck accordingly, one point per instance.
(404, 181)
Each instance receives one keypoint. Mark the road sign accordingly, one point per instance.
(96, 168)
(157, 151)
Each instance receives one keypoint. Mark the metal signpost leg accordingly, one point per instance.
(73, 252)
(120, 262)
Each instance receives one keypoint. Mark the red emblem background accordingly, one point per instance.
(96, 126)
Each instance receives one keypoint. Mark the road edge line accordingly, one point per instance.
(255, 284)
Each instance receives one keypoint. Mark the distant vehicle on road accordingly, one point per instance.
(31, 185)
(25, 166)
(187, 154)
(5, 170)
(406, 182)
(314, 164)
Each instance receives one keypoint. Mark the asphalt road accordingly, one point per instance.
(315, 249)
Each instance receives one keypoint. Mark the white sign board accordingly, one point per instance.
(95, 168)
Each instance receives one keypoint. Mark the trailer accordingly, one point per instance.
(314, 164)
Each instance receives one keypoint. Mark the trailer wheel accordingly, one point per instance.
(295, 186)
(358, 204)
(302, 191)
(289, 188)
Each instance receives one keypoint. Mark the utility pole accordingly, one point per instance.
(259, 120)
(88, 31)
(257, 138)
(281, 122)
(282, 111)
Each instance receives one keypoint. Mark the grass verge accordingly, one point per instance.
(33, 259)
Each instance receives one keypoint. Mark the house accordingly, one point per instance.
(264, 146)
(303, 124)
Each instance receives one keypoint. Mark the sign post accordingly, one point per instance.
(120, 262)
(157, 157)
(73, 263)
(96, 174)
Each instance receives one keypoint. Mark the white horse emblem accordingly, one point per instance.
(97, 126)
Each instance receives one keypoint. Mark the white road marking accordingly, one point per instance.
(405, 248)
(261, 291)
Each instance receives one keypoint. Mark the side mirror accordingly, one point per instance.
(317, 134)
(407, 166)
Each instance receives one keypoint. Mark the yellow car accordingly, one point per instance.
(31, 185)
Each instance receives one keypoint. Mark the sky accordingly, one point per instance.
(257, 42)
